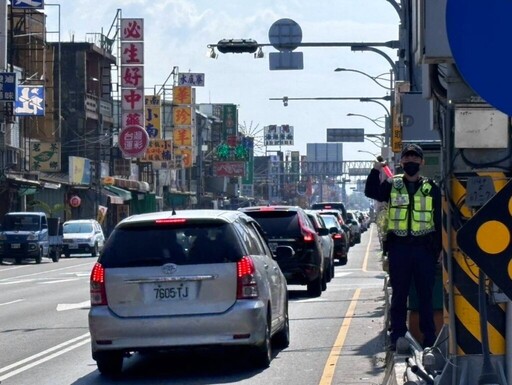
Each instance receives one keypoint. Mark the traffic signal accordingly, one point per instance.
(237, 46)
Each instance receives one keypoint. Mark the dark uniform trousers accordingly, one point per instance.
(411, 259)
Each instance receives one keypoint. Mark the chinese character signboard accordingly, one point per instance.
(229, 120)
(229, 168)
(153, 110)
(191, 79)
(133, 141)
(275, 135)
(159, 150)
(181, 95)
(30, 101)
(45, 156)
(8, 85)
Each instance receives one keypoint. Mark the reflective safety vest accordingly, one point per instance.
(405, 217)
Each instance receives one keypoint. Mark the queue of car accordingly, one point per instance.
(205, 278)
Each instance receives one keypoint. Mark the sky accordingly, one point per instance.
(177, 33)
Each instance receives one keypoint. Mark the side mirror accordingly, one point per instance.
(333, 230)
(322, 231)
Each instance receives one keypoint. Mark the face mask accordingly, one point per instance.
(411, 168)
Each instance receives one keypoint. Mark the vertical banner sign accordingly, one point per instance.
(182, 119)
(132, 86)
(229, 121)
(153, 122)
(8, 86)
(249, 163)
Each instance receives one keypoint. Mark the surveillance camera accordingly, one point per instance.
(285, 101)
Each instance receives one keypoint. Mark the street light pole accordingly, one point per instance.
(375, 79)
(374, 121)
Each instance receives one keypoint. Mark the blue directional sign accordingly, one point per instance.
(479, 36)
(32, 4)
(8, 86)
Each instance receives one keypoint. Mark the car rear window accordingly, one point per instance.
(278, 223)
(157, 244)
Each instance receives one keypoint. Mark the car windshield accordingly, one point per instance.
(157, 244)
(330, 221)
(278, 223)
(77, 228)
(21, 223)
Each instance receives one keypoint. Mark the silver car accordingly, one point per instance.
(190, 278)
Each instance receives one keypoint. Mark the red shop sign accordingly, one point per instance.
(133, 141)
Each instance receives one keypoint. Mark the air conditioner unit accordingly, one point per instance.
(11, 157)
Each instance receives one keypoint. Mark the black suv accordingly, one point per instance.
(340, 206)
(290, 226)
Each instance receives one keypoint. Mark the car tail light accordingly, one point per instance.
(97, 286)
(246, 286)
(308, 235)
(167, 221)
(337, 236)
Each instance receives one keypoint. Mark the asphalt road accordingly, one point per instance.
(337, 338)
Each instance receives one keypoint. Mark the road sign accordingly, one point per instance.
(345, 135)
(479, 34)
(487, 239)
(285, 35)
(133, 141)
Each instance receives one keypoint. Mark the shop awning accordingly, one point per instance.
(113, 198)
(22, 182)
(121, 193)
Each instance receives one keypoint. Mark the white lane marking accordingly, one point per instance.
(73, 344)
(71, 306)
(59, 280)
(14, 282)
(11, 302)
(47, 271)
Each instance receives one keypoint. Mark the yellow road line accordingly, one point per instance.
(330, 365)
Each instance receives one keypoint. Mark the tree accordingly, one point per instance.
(51, 210)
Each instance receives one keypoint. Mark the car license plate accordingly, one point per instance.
(15, 246)
(179, 291)
(72, 246)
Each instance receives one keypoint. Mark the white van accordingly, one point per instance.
(82, 236)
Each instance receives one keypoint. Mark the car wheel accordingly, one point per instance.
(282, 337)
(324, 280)
(67, 255)
(333, 271)
(343, 260)
(1, 260)
(94, 252)
(109, 363)
(17, 261)
(315, 287)
(39, 258)
(263, 352)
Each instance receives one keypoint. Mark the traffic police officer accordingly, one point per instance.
(413, 239)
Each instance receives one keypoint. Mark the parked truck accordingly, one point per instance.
(24, 235)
